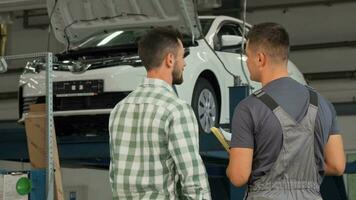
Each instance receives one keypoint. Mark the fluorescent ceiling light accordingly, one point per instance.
(109, 38)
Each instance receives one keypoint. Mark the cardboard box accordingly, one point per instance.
(35, 123)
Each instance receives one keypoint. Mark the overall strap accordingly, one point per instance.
(266, 99)
(313, 96)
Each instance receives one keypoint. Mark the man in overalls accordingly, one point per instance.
(285, 137)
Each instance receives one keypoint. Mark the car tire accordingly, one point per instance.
(205, 105)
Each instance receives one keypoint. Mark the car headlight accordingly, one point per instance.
(34, 67)
(61, 67)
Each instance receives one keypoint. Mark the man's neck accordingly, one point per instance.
(159, 75)
(277, 73)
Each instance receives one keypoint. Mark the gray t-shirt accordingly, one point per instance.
(255, 126)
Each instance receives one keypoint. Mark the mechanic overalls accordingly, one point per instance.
(295, 174)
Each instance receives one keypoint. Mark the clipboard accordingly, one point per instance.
(221, 138)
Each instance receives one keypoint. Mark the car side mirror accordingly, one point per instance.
(231, 40)
(3, 65)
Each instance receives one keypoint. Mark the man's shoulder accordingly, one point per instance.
(159, 97)
(250, 102)
(322, 100)
(178, 105)
(325, 105)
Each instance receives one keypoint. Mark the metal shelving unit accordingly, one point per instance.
(49, 111)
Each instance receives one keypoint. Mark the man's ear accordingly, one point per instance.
(170, 60)
(261, 59)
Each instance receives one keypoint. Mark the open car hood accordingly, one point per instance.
(75, 20)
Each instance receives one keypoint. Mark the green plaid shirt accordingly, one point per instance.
(154, 146)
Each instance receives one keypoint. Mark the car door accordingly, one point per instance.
(230, 52)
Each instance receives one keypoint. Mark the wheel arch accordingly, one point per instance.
(211, 77)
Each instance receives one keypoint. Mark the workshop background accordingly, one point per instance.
(323, 47)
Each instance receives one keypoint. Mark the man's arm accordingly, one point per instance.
(240, 164)
(242, 145)
(334, 156)
(183, 145)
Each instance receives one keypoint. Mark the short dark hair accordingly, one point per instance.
(156, 44)
(271, 37)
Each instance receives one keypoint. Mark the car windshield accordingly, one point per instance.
(113, 38)
(127, 37)
(205, 24)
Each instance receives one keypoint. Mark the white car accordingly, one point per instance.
(101, 65)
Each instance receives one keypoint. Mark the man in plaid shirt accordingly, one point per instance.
(154, 143)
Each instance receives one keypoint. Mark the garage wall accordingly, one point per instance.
(21, 40)
(337, 90)
(29, 40)
(8, 109)
(11, 80)
(315, 24)
(325, 60)
(348, 131)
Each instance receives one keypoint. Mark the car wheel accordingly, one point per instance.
(205, 105)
